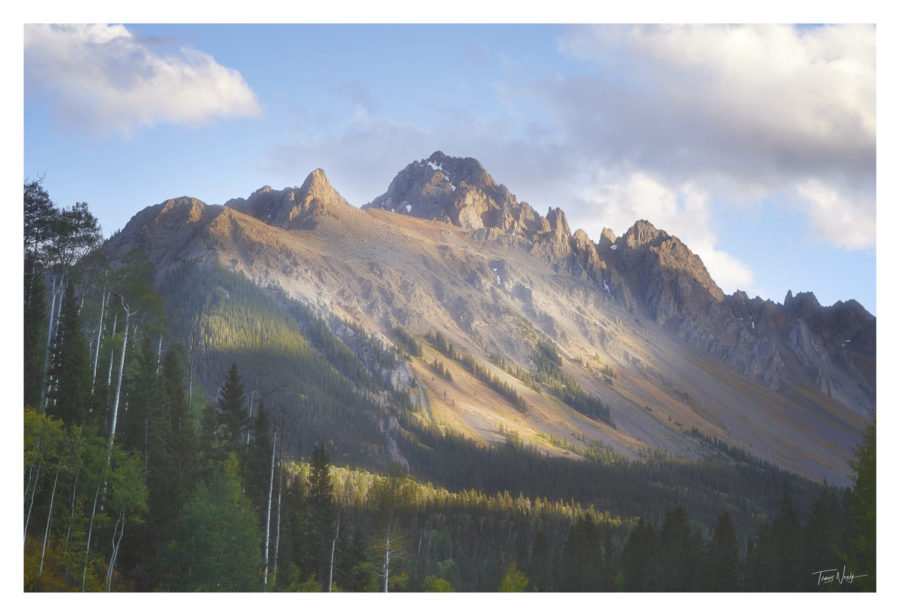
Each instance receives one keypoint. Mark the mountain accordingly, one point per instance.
(624, 345)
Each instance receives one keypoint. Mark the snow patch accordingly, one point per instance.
(613, 247)
(408, 208)
(498, 278)
(606, 287)
(438, 167)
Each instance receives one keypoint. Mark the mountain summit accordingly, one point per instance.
(458, 191)
(293, 208)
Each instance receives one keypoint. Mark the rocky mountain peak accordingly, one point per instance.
(458, 191)
(642, 233)
(293, 208)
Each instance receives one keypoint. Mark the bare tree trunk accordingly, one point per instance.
(87, 545)
(385, 568)
(269, 512)
(115, 548)
(97, 350)
(31, 504)
(249, 416)
(159, 354)
(47, 527)
(278, 514)
(337, 531)
(191, 374)
(71, 520)
(49, 339)
(115, 410)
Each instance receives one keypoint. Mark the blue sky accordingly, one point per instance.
(754, 144)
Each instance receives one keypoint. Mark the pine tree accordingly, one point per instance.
(35, 314)
(181, 462)
(681, 552)
(70, 370)
(640, 559)
(257, 459)
(232, 410)
(321, 511)
(724, 568)
(862, 510)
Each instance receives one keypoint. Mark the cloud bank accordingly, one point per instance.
(103, 80)
(752, 110)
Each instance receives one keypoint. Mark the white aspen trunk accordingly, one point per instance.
(87, 545)
(71, 518)
(191, 374)
(159, 355)
(115, 549)
(337, 531)
(112, 431)
(49, 339)
(278, 514)
(47, 527)
(97, 350)
(269, 512)
(249, 417)
(385, 569)
(31, 504)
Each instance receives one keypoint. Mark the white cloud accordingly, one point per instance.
(750, 108)
(684, 211)
(834, 218)
(104, 80)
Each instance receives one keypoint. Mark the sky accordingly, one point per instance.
(754, 144)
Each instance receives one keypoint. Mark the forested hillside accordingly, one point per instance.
(184, 434)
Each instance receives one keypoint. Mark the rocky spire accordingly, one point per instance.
(292, 208)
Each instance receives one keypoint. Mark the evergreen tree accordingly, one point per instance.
(257, 459)
(180, 463)
(724, 570)
(640, 559)
(583, 557)
(233, 410)
(862, 510)
(786, 535)
(322, 516)
(681, 552)
(35, 336)
(70, 370)
(217, 540)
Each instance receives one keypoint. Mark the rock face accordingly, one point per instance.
(653, 274)
(293, 208)
(458, 191)
(447, 249)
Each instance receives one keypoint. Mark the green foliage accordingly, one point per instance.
(265, 334)
(549, 373)
(439, 369)
(232, 410)
(408, 341)
(514, 580)
(862, 508)
(436, 584)
(35, 331)
(479, 371)
(217, 541)
(724, 570)
(70, 373)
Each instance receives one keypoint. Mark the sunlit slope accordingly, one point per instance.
(494, 295)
